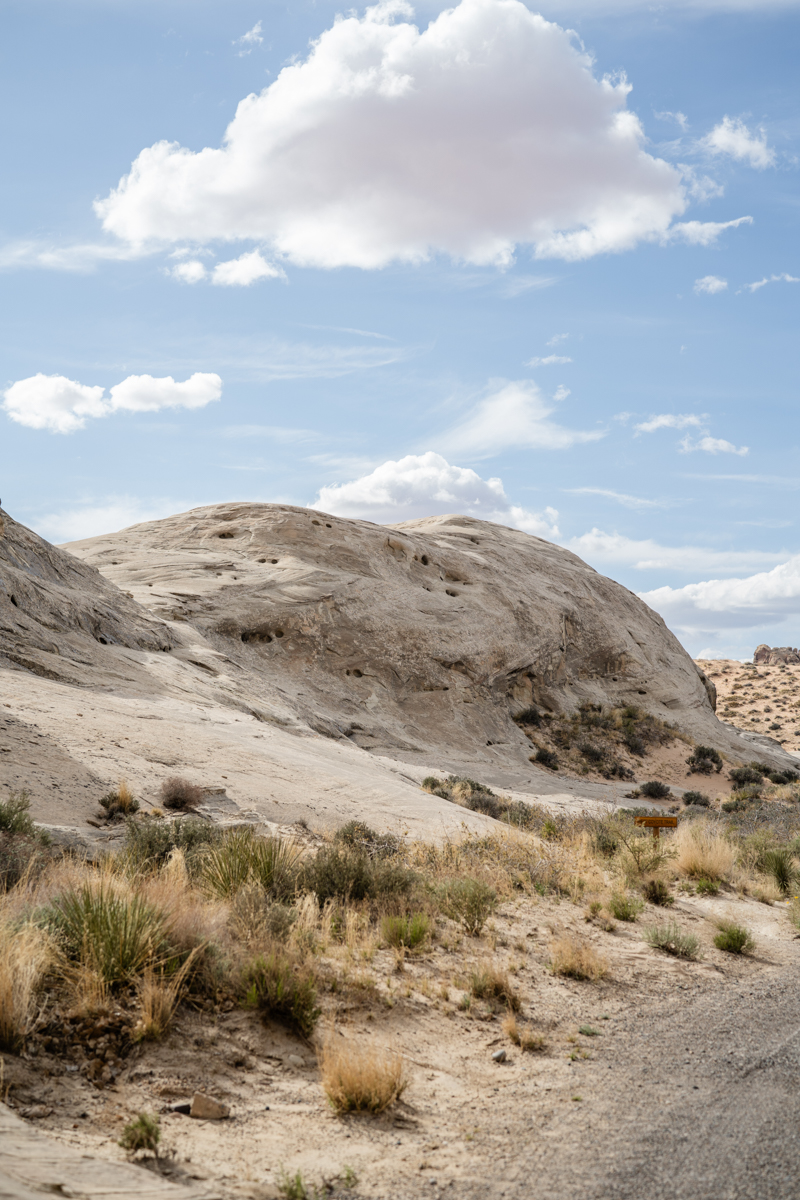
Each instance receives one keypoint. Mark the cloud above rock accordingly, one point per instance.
(484, 131)
(765, 598)
(62, 405)
(424, 485)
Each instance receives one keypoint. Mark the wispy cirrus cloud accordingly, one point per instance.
(760, 283)
(620, 497)
(670, 421)
(711, 445)
(549, 360)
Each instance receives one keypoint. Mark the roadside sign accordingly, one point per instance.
(657, 823)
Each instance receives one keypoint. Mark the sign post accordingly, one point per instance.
(657, 824)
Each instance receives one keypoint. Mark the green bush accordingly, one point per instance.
(704, 760)
(545, 758)
(736, 939)
(342, 873)
(15, 815)
(744, 775)
(779, 863)
(529, 716)
(469, 901)
(242, 857)
(118, 936)
(672, 940)
(409, 932)
(360, 836)
(655, 891)
(281, 987)
(22, 844)
(655, 790)
(707, 887)
(142, 1133)
(699, 799)
(149, 843)
(625, 907)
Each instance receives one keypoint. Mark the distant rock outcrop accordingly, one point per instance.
(775, 655)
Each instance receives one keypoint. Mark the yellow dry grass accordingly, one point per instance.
(701, 852)
(574, 957)
(159, 997)
(361, 1079)
(521, 1035)
(25, 954)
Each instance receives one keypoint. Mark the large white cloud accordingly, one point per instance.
(765, 598)
(513, 414)
(422, 485)
(61, 405)
(481, 132)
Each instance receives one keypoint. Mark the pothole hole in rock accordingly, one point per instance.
(226, 534)
(358, 674)
(424, 560)
(14, 601)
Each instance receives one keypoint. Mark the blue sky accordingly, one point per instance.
(445, 261)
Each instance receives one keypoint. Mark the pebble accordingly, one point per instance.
(499, 1056)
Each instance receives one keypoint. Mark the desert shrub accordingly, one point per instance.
(625, 907)
(655, 891)
(525, 1038)
(468, 901)
(643, 855)
(485, 803)
(529, 716)
(341, 873)
(736, 939)
(361, 1079)
(635, 744)
(489, 982)
(119, 804)
(739, 776)
(707, 887)
(407, 932)
(545, 758)
(241, 857)
(22, 845)
(518, 813)
(15, 815)
(592, 753)
(572, 957)
(360, 836)
(698, 799)
(116, 935)
(702, 852)
(143, 1133)
(25, 954)
(257, 915)
(704, 760)
(149, 843)
(655, 790)
(672, 940)
(180, 795)
(780, 865)
(780, 778)
(284, 988)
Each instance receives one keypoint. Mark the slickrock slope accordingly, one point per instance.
(309, 666)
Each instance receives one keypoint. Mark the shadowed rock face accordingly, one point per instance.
(430, 634)
(55, 607)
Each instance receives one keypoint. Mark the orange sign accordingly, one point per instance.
(657, 823)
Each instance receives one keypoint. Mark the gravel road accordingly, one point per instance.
(697, 1100)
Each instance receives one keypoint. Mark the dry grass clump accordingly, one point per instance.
(469, 901)
(408, 932)
(361, 1079)
(488, 981)
(159, 997)
(575, 958)
(121, 803)
(282, 986)
(523, 1036)
(180, 795)
(673, 940)
(25, 954)
(701, 852)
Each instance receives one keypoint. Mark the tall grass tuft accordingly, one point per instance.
(361, 1079)
(25, 954)
(159, 997)
(576, 959)
(408, 932)
(280, 985)
(701, 852)
(672, 940)
(114, 934)
(242, 857)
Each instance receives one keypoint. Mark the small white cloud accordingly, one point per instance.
(711, 445)
(701, 187)
(424, 485)
(550, 361)
(61, 405)
(671, 421)
(754, 287)
(678, 117)
(514, 415)
(244, 270)
(561, 393)
(249, 40)
(710, 285)
(557, 339)
(732, 137)
(703, 233)
(192, 271)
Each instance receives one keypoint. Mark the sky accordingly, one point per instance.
(534, 264)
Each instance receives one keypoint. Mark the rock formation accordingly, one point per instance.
(774, 656)
(305, 665)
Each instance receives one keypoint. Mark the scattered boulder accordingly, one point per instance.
(204, 1108)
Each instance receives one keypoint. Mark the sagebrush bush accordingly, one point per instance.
(22, 846)
(361, 1079)
(180, 795)
(468, 901)
(707, 887)
(739, 776)
(655, 891)
(545, 758)
(283, 987)
(116, 935)
(698, 799)
(149, 843)
(654, 789)
(704, 760)
(360, 836)
(342, 873)
(672, 940)
(625, 907)
(733, 938)
(576, 959)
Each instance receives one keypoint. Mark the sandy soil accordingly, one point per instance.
(758, 699)
(468, 1126)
